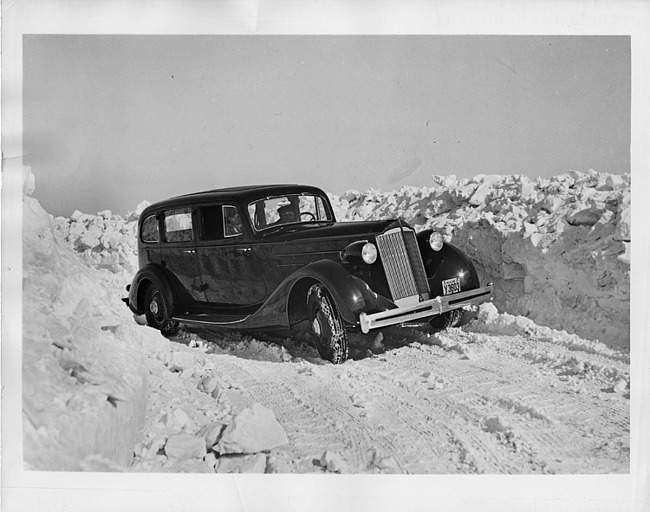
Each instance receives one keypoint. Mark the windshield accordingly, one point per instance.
(288, 209)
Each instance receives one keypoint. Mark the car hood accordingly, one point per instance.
(336, 230)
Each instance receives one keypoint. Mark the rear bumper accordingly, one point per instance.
(129, 301)
(428, 308)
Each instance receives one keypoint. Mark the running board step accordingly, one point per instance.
(211, 319)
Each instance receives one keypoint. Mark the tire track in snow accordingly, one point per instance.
(435, 416)
(565, 436)
(316, 417)
(498, 409)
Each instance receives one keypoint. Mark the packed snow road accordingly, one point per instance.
(414, 401)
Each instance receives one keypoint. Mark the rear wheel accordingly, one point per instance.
(158, 311)
(447, 320)
(326, 326)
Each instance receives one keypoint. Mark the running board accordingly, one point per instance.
(208, 319)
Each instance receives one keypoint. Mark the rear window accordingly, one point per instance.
(178, 225)
(150, 232)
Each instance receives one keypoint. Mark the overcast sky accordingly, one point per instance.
(112, 120)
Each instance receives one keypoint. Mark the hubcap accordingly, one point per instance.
(153, 307)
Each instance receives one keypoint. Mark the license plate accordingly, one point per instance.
(450, 286)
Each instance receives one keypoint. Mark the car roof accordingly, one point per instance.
(245, 194)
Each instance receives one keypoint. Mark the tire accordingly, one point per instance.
(447, 320)
(326, 326)
(158, 311)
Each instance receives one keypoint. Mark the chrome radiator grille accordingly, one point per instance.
(403, 265)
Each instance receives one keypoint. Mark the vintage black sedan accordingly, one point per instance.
(275, 258)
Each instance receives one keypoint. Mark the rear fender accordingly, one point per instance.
(162, 279)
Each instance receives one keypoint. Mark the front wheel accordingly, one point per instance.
(158, 311)
(326, 326)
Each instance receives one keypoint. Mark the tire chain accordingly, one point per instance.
(332, 318)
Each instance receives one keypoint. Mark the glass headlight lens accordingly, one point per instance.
(436, 241)
(369, 253)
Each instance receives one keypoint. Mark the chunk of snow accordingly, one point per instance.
(182, 360)
(176, 420)
(251, 464)
(586, 217)
(333, 462)
(253, 430)
(185, 446)
(624, 213)
(620, 386)
(377, 345)
(211, 432)
(484, 190)
(488, 313)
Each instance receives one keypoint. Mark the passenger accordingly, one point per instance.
(234, 223)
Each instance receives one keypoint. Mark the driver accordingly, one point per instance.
(287, 215)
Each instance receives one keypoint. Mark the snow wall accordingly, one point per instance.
(85, 381)
(556, 250)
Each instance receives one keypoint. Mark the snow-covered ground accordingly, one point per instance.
(537, 383)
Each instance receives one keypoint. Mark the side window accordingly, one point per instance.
(150, 233)
(211, 223)
(232, 223)
(220, 221)
(178, 225)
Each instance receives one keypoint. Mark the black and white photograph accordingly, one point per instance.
(320, 255)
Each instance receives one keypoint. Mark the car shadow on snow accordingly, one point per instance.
(269, 347)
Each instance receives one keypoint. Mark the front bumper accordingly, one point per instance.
(428, 308)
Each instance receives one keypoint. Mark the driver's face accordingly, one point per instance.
(287, 215)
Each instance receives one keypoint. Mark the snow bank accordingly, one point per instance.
(557, 249)
(102, 393)
(84, 371)
(104, 240)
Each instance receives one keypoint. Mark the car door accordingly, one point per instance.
(178, 250)
(229, 264)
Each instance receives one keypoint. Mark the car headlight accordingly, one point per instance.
(436, 241)
(369, 253)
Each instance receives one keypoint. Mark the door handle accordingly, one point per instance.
(192, 251)
(243, 250)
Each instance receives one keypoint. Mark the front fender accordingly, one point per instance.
(446, 263)
(351, 295)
